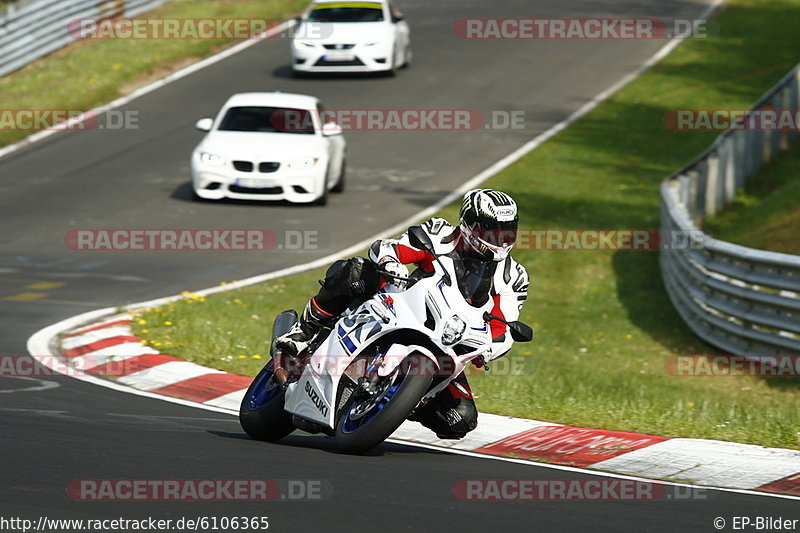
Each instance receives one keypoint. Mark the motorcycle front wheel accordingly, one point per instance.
(367, 420)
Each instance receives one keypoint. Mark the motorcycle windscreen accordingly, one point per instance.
(474, 278)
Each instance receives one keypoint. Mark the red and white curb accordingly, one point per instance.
(108, 349)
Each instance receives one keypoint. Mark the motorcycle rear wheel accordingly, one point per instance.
(261, 413)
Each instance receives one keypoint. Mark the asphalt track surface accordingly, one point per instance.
(140, 179)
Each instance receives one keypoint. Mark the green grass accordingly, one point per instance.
(88, 73)
(766, 213)
(604, 322)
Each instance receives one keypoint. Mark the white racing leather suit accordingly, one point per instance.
(508, 289)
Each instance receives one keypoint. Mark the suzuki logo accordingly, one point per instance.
(318, 402)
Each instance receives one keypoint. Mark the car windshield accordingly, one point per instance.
(347, 12)
(268, 120)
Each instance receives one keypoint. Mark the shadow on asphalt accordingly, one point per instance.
(285, 72)
(326, 444)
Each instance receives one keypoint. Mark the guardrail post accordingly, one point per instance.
(786, 99)
(738, 157)
(795, 85)
(712, 185)
(766, 134)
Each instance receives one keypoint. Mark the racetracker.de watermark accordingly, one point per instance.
(189, 490)
(303, 240)
(341, 365)
(579, 28)
(191, 240)
(704, 366)
(192, 29)
(553, 490)
(732, 119)
(295, 120)
(639, 240)
(26, 366)
(67, 120)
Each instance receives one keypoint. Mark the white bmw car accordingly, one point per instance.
(335, 36)
(269, 146)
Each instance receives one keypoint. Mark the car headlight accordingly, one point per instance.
(213, 160)
(453, 330)
(304, 44)
(376, 43)
(303, 162)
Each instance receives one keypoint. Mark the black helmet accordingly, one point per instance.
(488, 221)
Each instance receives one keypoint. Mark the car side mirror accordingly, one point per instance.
(331, 128)
(419, 239)
(204, 124)
(398, 18)
(520, 331)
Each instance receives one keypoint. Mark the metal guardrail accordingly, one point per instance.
(742, 300)
(30, 29)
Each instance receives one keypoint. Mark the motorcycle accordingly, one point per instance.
(383, 358)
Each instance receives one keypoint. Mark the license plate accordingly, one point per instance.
(253, 183)
(340, 56)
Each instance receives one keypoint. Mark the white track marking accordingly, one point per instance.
(43, 385)
(492, 428)
(128, 349)
(94, 336)
(91, 360)
(231, 401)
(165, 374)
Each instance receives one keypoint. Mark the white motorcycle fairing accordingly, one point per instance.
(430, 318)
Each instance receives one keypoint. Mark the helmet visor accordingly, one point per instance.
(501, 236)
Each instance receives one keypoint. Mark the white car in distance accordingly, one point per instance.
(335, 36)
(269, 146)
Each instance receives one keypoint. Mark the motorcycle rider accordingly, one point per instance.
(479, 246)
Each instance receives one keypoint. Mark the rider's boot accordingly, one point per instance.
(303, 332)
